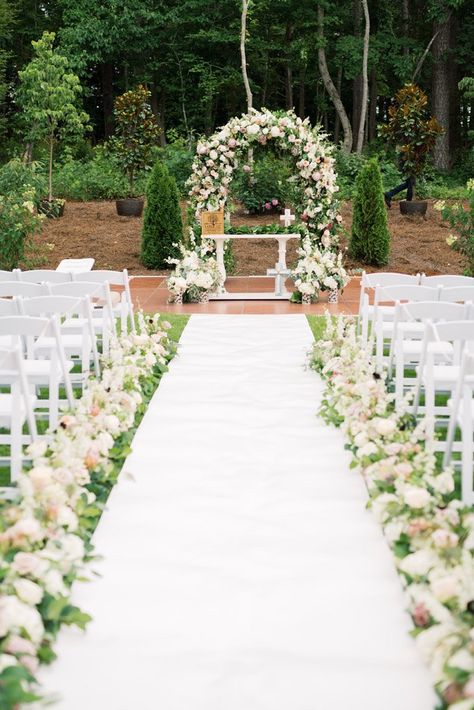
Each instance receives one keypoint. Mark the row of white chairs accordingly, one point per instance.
(423, 331)
(50, 334)
(121, 301)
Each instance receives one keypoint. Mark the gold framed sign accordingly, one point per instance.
(212, 222)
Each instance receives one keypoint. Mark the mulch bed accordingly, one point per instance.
(93, 229)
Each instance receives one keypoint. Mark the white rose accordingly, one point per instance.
(275, 132)
(6, 660)
(213, 155)
(384, 427)
(53, 583)
(253, 129)
(28, 591)
(416, 497)
(73, 547)
(463, 660)
(306, 288)
(330, 282)
(446, 587)
(360, 439)
(368, 449)
(28, 563)
(444, 483)
(419, 563)
(444, 538)
(15, 615)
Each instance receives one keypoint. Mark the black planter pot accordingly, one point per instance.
(129, 207)
(413, 207)
(53, 209)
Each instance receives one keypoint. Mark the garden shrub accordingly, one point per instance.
(17, 176)
(269, 189)
(19, 220)
(461, 219)
(162, 223)
(178, 158)
(370, 238)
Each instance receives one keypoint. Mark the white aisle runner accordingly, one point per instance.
(241, 570)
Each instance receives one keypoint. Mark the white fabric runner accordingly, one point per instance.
(241, 570)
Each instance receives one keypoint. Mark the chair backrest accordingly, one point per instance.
(24, 325)
(405, 293)
(9, 307)
(459, 330)
(8, 289)
(433, 311)
(79, 289)
(72, 265)
(388, 278)
(45, 306)
(447, 280)
(9, 275)
(39, 276)
(457, 293)
(113, 278)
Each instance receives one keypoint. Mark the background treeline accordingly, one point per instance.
(187, 53)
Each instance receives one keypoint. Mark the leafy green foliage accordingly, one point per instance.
(162, 223)
(266, 189)
(370, 238)
(461, 219)
(136, 132)
(178, 158)
(16, 176)
(411, 129)
(48, 95)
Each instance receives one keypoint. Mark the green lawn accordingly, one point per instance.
(317, 324)
(178, 322)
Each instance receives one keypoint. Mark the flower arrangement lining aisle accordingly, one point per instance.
(241, 569)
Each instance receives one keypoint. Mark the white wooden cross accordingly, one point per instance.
(287, 218)
(281, 273)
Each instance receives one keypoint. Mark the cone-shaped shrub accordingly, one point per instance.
(370, 238)
(162, 223)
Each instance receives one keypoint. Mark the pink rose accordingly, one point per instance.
(421, 615)
(267, 205)
(274, 202)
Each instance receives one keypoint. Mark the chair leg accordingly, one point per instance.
(16, 450)
(399, 373)
(467, 447)
(53, 400)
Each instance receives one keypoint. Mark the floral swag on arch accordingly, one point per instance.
(315, 179)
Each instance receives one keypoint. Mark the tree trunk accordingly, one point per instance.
(157, 112)
(365, 79)
(288, 69)
(329, 84)
(406, 24)
(243, 55)
(373, 105)
(441, 91)
(455, 139)
(357, 82)
(50, 168)
(337, 121)
(107, 81)
(302, 92)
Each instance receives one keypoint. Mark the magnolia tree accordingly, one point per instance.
(136, 133)
(49, 96)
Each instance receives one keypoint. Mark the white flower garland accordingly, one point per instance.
(45, 531)
(217, 158)
(430, 532)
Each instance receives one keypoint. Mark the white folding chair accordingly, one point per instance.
(51, 372)
(124, 307)
(457, 294)
(10, 289)
(102, 309)
(80, 346)
(384, 320)
(439, 374)
(447, 280)
(462, 415)
(368, 283)
(71, 266)
(16, 408)
(407, 341)
(40, 276)
(9, 275)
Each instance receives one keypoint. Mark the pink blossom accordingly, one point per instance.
(274, 202)
(246, 168)
(421, 615)
(267, 205)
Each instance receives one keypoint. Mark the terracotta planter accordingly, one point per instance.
(130, 207)
(413, 207)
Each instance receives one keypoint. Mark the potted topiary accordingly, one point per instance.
(48, 94)
(413, 131)
(136, 132)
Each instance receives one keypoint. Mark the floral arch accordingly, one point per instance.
(217, 158)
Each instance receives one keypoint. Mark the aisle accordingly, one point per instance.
(241, 570)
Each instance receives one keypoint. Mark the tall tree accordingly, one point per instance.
(243, 55)
(365, 79)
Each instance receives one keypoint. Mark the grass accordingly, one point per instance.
(178, 323)
(317, 325)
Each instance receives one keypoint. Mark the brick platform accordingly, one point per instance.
(151, 294)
